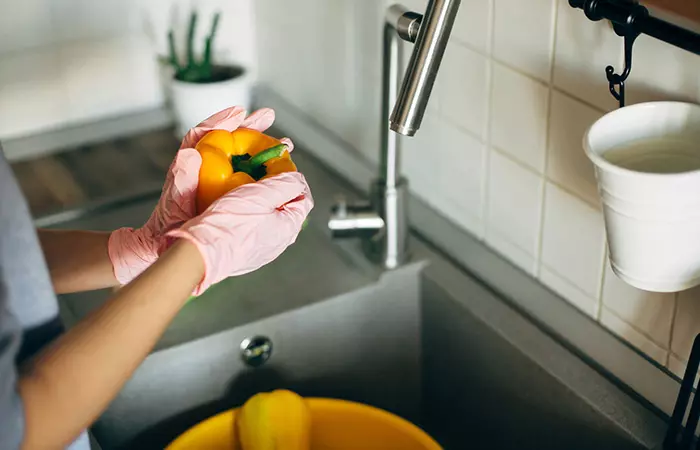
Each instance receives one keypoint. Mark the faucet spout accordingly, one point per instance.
(383, 222)
(433, 34)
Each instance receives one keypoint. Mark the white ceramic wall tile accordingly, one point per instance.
(649, 312)
(24, 25)
(573, 240)
(420, 182)
(523, 35)
(414, 5)
(584, 302)
(518, 116)
(458, 200)
(318, 83)
(473, 24)
(511, 252)
(460, 214)
(463, 88)
(110, 77)
(686, 325)
(365, 121)
(279, 49)
(31, 93)
(458, 169)
(677, 365)
(368, 23)
(567, 163)
(662, 72)
(514, 208)
(457, 191)
(86, 20)
(634, 337)
(332, 92)
(416, 149)
(583, 50)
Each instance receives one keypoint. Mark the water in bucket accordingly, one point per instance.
(656, 155)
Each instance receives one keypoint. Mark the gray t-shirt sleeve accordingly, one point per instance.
(11, 412)
(29, 318)
(11, 328)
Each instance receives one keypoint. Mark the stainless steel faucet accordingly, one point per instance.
(383, 222)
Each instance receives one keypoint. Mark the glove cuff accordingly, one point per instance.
(131, 252)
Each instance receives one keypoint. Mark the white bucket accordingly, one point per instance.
(194, 102)
(647, 160)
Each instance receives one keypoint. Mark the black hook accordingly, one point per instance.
(618, 80)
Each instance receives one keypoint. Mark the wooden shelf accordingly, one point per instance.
(687, 11)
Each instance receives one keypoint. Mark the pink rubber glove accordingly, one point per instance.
(130, 250)
(248, 227)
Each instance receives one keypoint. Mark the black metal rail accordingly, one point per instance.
(629, 16)
(629, 20)
(682, 436)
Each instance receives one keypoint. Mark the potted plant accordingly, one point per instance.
(199, 87)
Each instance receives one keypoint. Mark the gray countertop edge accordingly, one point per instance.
(609, 354)
(100, 130)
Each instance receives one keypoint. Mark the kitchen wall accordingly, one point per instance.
(500, 150)
(70, 62)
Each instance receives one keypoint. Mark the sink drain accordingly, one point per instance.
(256, 351)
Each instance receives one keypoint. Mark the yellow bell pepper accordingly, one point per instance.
(228, 161)
(278, 420)
(279, 165)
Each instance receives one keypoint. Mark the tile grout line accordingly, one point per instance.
(551, 84)
(601, 281)
(489, 55)
(676, 298)
(588, 202)
(568, 282)
(502, 235)
(547, 142)
(522, 164)
(519, 162)
(546, 179)
(450, 121)
(351, 50)
(486, 131)
(584, 102)
(638, 330)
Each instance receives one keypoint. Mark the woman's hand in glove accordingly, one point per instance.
(248, 227)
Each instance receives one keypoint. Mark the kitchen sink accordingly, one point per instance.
(427, 341)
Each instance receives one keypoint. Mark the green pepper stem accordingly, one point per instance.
(266, 155)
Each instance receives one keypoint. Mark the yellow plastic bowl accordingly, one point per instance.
(336, 425)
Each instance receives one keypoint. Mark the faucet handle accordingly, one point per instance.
(353, 220)
(340, 209)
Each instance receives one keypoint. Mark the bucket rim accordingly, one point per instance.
(607, 167)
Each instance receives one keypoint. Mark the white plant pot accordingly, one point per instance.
(194, 102)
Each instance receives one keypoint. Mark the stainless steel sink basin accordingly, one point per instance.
(426, 341)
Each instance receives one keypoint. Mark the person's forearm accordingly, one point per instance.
(66, 388)
(77, 260)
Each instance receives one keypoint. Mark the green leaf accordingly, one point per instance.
(173, 54)
(190, 39)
